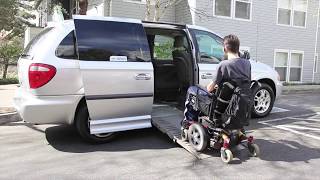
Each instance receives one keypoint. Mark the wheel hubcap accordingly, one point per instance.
(195, 137)
(262, 101)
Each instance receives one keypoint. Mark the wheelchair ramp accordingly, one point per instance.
(167, 119)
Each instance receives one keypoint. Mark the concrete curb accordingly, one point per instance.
(6, 110)
(301, 89)
(9, 117)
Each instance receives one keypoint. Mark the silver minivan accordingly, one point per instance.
(106, 74)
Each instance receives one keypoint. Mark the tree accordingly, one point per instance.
(81, 5)
(15, 15)
(9, 54)
(160, 7)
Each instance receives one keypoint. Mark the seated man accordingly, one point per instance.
(234, 69)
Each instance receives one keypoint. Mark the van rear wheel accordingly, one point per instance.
(82, 125)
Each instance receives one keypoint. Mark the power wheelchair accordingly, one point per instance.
(209, 122)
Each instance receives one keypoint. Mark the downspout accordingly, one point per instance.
(316, 43)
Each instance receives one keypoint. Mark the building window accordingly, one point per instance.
(292, 12)
(289, 65)
(236, 9)
(295, 66)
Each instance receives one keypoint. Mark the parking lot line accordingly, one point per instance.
(291, 128)
(300, 127)
(288, 117)
(6, 114)
(278, 110)
(308, 119)
(294, 131)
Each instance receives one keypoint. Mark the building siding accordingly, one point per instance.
(123, 8)
(96, 7)
(263, 35)
(183, 13)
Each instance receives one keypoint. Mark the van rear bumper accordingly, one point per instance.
(46, 109)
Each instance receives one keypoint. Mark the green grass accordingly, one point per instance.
(13, 80)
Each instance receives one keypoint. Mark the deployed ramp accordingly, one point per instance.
(167, 119)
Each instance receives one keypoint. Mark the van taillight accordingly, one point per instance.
(40, 74)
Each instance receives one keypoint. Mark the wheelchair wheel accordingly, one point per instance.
(197, 137)
(254, 150)
(226, 155)
(184, 134)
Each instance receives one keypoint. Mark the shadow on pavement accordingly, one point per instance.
(286, 151)
(66, 139)
(283, 150)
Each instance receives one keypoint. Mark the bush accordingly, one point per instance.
(9, 81)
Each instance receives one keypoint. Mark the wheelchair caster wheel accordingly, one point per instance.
(184, 134)
(226, 155)
(254, 150)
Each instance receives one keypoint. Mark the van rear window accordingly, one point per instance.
(27, 53)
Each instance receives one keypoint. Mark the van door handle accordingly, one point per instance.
(142, 76)
(206, 76)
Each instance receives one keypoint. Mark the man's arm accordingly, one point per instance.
(216, 80)
(211, 86)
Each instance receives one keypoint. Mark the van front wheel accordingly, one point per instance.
(82, 125)
(263, 99)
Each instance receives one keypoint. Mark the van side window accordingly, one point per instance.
(163, 47)
(66, 48)
(210, 47)
(111, 41)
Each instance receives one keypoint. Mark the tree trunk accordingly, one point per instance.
(148, 10)
(157, 11)
(5, 69)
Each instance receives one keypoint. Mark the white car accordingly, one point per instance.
(106, 75)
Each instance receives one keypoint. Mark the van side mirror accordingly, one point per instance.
(244, 55)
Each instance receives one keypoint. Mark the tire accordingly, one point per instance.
(254, 150)
(197, 137)
(82, 126)
(226, 155)
(261, 105)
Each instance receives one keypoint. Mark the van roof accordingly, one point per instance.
(167, 25)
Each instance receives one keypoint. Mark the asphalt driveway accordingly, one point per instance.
(288, 139)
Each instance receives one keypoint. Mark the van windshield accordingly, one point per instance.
(30, 48)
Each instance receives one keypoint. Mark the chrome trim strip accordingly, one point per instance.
(118, 96)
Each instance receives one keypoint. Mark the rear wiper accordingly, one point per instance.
(28, 56)
(24, 55)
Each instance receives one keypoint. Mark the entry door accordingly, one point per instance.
(117, 73)
(209, 49)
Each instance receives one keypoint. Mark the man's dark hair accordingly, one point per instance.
(232, 43)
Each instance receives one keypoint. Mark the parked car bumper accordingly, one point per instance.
(278, 89)
(46, 109)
